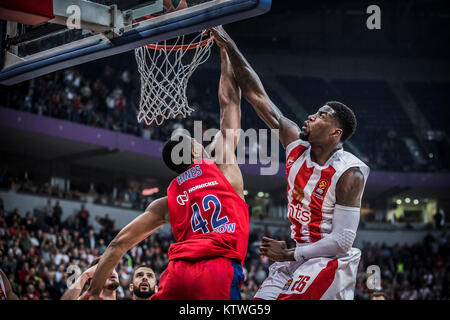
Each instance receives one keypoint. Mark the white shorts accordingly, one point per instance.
(314, 279)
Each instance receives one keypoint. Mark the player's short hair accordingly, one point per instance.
(345, 117)
(141, 266)
(167, 155)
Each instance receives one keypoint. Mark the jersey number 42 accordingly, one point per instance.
(216, 223)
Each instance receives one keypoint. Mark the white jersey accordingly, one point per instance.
(311, 189)
(311, 194)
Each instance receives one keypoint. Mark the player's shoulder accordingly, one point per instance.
(353, 175)
(345, 160)
(348, 157)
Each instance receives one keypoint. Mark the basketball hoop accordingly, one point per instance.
(165, 70)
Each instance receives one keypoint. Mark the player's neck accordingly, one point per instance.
(320, 154)
(108, 294)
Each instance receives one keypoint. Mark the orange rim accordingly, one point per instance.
(180, 46)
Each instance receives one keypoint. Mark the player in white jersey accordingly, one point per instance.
(324, 189)
(6, 292)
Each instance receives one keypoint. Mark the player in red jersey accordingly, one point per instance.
(207, 212)
(6, 292)
(324, 189)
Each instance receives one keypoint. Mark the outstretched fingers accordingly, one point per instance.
(221, 37)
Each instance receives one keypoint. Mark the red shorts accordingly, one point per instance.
(211, 279)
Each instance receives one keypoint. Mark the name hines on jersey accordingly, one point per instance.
(193, 172)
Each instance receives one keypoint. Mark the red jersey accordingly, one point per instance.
(208, 217)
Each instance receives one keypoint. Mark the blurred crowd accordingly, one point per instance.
(109, 99)
(129, 196)
(408, 272)
(105, 100)
(37, 249)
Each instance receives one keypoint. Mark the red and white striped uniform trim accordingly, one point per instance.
(318, 287)
(311, 189)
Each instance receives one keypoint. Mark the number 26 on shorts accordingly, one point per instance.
(300, 283)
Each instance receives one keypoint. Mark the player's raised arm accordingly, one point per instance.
(156, 214)
(227, 138)
(253, 90)
(229, 100)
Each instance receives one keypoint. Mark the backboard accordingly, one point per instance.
(62, 33)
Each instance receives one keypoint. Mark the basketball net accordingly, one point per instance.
(165, 70)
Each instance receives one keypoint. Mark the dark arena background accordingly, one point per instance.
(76, 166)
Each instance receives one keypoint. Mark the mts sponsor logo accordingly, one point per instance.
(295, 212)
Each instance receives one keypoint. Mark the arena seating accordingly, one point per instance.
(379, 114)
(37, 249)
(432, 98)
(91, 98)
